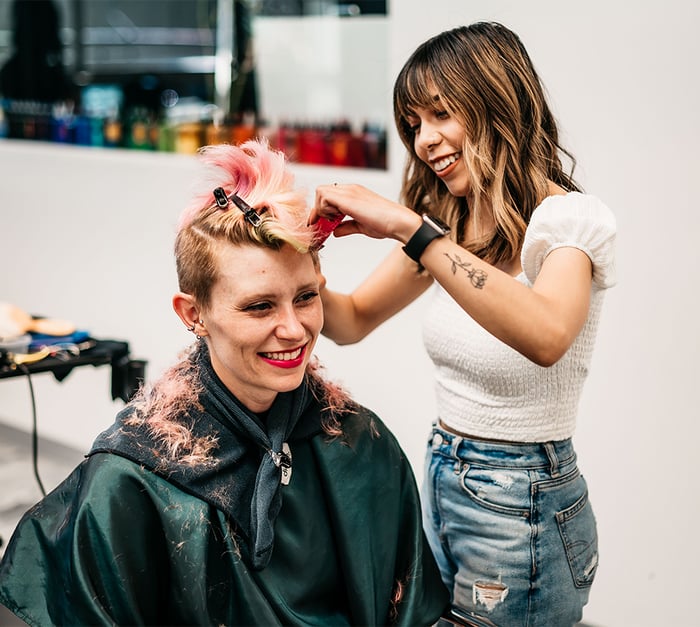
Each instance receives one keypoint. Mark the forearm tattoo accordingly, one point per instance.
(476, 276)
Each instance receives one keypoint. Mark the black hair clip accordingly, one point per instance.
(222, 201)
(221, 198)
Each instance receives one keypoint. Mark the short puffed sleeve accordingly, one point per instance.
(572, 220)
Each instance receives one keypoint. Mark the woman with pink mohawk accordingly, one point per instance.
(241, 488)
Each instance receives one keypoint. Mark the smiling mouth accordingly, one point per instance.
(284, 356)
(443, 163)
(290, 359)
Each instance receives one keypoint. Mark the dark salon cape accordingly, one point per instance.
(116, 543)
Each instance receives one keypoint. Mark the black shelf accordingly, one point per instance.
(127, 373)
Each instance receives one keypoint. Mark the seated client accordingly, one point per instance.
(242, 487)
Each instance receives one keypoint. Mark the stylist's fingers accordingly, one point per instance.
(350, 199)
(367, 212)
(347, 227)
(324, 204)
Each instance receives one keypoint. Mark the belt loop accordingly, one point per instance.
(456, 441)
(553, 459)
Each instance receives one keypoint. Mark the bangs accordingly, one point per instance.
(414, 89)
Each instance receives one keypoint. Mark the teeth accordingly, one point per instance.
(443, 163)
(283, 356)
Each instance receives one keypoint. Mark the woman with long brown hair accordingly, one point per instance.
(519, 259)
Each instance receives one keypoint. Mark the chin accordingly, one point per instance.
(457, 190)
(290, 383)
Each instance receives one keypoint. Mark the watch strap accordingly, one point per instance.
(426, 233)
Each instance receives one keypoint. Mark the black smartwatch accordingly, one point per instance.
(431, 229)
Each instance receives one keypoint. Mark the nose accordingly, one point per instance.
(427, 137)
(289, 326)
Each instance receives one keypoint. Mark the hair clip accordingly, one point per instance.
(222, 201)
(221, 198)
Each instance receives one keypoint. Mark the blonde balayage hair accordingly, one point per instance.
(484, 77)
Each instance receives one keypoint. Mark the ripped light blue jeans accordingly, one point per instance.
(511, 528)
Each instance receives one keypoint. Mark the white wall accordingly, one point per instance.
(86, 235)
(323, 53)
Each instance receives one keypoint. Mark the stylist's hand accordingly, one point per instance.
(368, 212)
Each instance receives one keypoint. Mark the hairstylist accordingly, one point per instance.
(520, 260)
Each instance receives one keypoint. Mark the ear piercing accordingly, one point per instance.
(192, 326)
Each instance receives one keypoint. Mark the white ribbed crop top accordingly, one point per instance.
(487, 389)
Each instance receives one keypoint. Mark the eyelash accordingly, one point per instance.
(257, 307)
(440, 115)
(307, 296)
(303, 299)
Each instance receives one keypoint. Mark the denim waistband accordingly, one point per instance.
(554, 455)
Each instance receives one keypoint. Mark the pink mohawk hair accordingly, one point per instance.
(258, 174)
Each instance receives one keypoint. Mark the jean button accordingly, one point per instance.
(437, 440)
